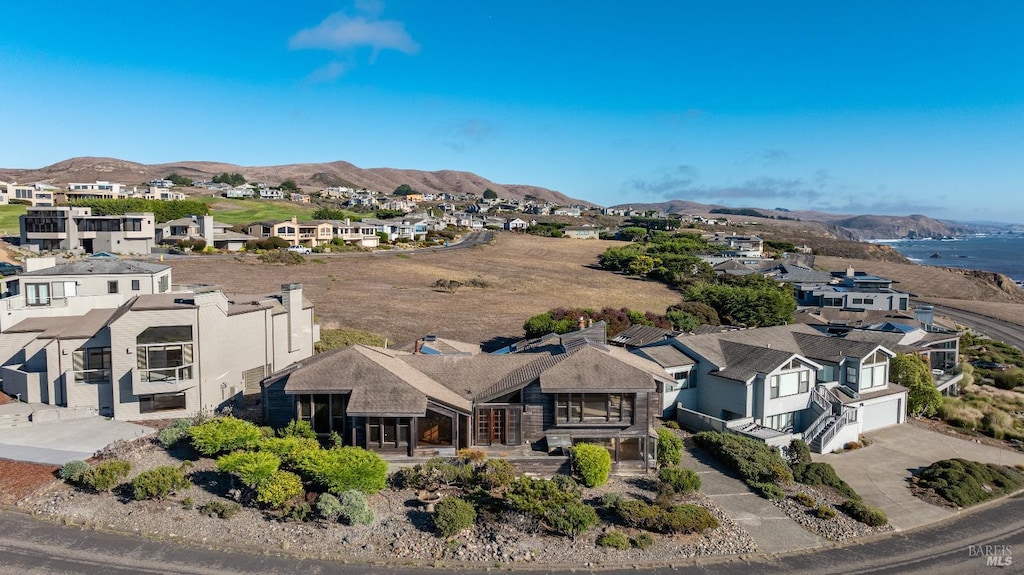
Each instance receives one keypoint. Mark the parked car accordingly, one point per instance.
(7, 269)
(988, 365)
(300, 250)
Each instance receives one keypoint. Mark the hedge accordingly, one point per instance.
(756, 462)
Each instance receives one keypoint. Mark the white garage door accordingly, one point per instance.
(881, 414)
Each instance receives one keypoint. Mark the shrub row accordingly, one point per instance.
(675, 519)
(823, 474)
(756, 462)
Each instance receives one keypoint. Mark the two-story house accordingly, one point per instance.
(853, 291)
(216, 234)
(311, 234)
(34, 195)
(784, 382)
(63, 228)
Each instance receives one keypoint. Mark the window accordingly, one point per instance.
(774, 387)
(869, 301)
(165, 283)
(133, 225)
(858, 300)
(91, 365)
(135, 285)
(161, 402)
(112, 286)
(594, 407)
(683, 380)
(63, 290)
(164, 354)
(781, 422)
(851, 375)
(789, 383)
(37, 294)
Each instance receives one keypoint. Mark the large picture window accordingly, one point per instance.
(594, 408)
(164, 354)
(91, 365)
(792, 383)
(161, 402)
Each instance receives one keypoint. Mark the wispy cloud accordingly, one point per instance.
(669, 183)
(682, 182)
(472, 132)
(342, 33)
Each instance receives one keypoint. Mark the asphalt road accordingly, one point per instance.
(28, 545)
(1006, 332)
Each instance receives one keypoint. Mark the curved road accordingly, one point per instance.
(1005, 331)
(953, 547)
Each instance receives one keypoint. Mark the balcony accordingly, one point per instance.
(171, 375)
(21, 302)
(91, 376)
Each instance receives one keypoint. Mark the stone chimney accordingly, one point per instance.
(206, 228)
(291, 298)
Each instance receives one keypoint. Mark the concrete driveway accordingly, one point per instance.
(62, 441)
(880, 473)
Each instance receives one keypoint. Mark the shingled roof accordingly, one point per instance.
(98, 266)
(591, 368)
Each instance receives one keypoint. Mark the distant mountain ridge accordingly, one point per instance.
(859, 228)
(309, 175)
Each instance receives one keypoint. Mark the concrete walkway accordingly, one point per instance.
(59, 442)
(880, 473)
(772, 529)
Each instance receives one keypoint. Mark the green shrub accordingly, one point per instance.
(74, 472)
(670, 447)
(672, 424)
(610, 500)
(187, 504)
(474, 456)
(592, 462)
(219, 509)
(614, 539)
(223, 435)
(682, 481)
(770, 491)
(805, 500)
(252, 467)
(280, 489)
(643, 541)
(452, 515)
(159, 482)
(298, 512)
(758, 463)
(353, 508)
(169, 436)
(825, 512)
(572, 519)
(637, 514)
(288, 448)
(298, 428)
(497, 473)
(823, 474)
(328, 507)
(567, 484)
(686, 519)
(864, 513)
(965, 483)
(342, 469)
(798, 452)
(107, 475)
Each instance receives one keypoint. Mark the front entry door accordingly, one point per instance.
(498, 425)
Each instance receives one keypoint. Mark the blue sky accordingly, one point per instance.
(865, 107)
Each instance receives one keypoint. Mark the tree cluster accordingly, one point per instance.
(232, 179)
(163, 211)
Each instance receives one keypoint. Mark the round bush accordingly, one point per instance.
(825, 512)
(73, 471)
(614, 539)
(176, 432)
(643, 541)
(864, 513)
(497, 473)
(223, 434)
(159, 482)
(682, 481)
(328, 507)
(453, 515)
(107, 475)
(573, 518)
(280, 489)
(353, 508)
(252, 467)
(593, 463)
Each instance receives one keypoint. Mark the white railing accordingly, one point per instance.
(831, 432)
(820, 400)
(166, 375)
(91, 376)
(816, 428)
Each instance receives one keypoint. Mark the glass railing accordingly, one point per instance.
(92, 376)
(166, 375)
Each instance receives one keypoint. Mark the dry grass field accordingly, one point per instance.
(391, 294)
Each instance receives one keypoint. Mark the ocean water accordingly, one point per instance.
(1003, 253)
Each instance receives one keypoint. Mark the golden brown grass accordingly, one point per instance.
(391, 294)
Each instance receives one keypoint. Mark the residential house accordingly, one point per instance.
(430, 401)
(271, 194)
(781, 383)
(215, 234)
(161, 184)
(99, 190)
(356, 233)
(857, 291)
(312, 233)
(515, 224)
(300, 198)
(181, 350)
(162, 194)
(739, 246)
(573, 212)
(581, 232)
(239, 193)
(40, 195)
(77, 229)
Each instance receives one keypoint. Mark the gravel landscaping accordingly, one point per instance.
(401, 531)
(838, 528)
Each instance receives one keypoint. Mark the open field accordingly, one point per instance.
(234, 211)
(9, 214)
(390, 294)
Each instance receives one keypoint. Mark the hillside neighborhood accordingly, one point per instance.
(782, 384)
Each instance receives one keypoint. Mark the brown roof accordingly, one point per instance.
(65, 327)
(593, 369)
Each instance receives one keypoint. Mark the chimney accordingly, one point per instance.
(849, 272)
(416, 348)
(207, 230)
(582, 323)
(590, 322)
(291, 298)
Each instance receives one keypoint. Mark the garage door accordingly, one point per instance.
(881, 414)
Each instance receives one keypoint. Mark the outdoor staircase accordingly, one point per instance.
(827, 429)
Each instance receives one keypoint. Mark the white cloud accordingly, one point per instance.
(327, 73)
(341, 32)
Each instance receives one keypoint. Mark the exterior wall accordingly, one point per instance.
(765, 406)
(718, 394)
(278, 407)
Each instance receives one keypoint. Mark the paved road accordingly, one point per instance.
(1004, 331)
(32, 546)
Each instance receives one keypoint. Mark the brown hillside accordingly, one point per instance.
(391, 294)
(310, 176)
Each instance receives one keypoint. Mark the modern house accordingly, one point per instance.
(581, 232)
(215, 234)
(98, 190)
(542, 397)
(33, 194)
(780, 383)
(311, 233)
(853, 290)
(182, 354)
(77, 229)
